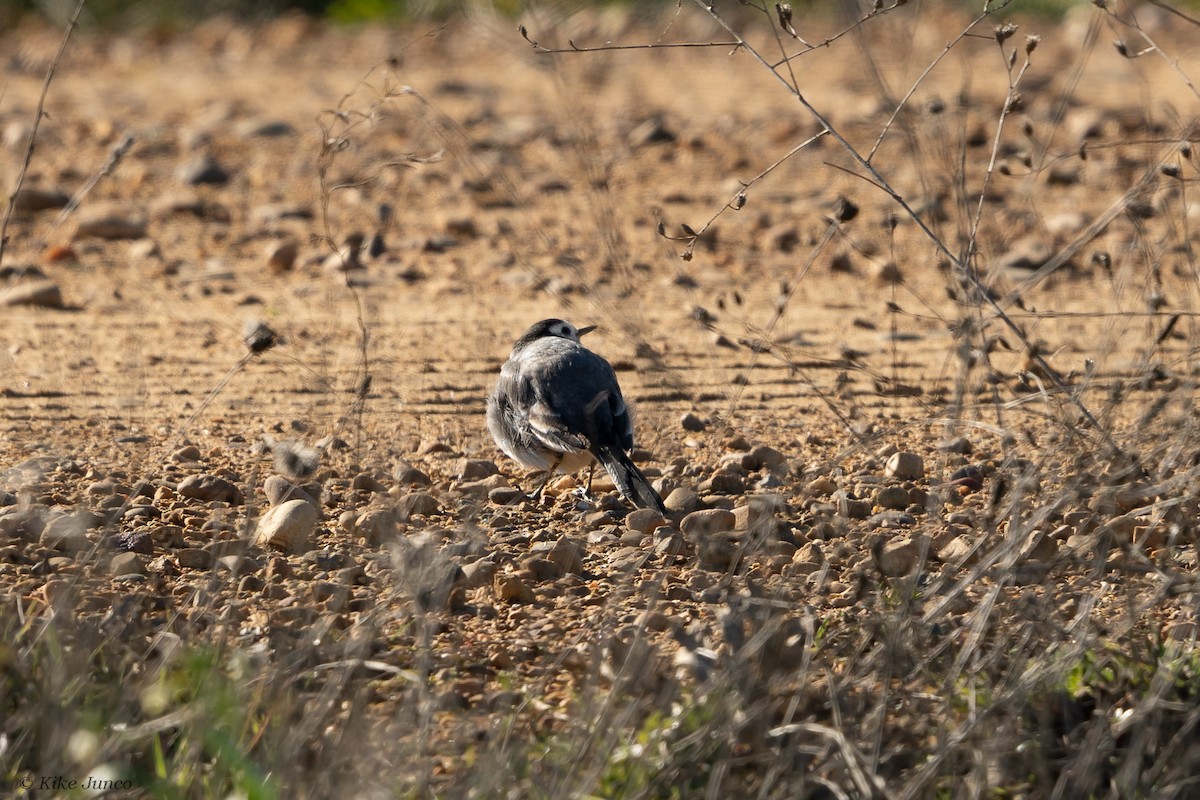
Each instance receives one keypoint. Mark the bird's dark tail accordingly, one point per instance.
(630, 481)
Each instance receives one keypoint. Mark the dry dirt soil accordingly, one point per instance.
(926, 497)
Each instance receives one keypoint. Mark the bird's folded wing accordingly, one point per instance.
(552, 431)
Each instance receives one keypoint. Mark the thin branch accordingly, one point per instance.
(737, 203)
(918, 221)
(921, 79)
(37, 122)
(574, 48)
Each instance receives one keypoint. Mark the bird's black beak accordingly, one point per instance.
(587, 329)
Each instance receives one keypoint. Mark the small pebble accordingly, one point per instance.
(365, 482)
(281, 256)
(30, 199)
(203, 169)
(892, 497)
(503, 495)
(820, 487)
(473, 469)
(193, 558)
(510, 588)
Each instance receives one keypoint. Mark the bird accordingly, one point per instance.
(558, 407)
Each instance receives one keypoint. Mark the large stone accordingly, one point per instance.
(708, 521)
(289, 526)
(905, 466)
(683, 501)
(209, 488)
(416, 504)
(39, 293)
(127, 564)
(644, 520)
(110, 222)
(899, 556)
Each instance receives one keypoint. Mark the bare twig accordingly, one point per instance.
(574, 48)
(37, 122)
(962, 267)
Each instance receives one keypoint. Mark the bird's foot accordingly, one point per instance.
(584, 494)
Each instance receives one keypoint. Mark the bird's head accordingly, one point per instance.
(552, 327)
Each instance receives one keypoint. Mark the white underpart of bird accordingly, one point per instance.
(558, 406)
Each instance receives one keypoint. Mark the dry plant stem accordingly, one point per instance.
(331, 146)
(212, 394)
(831, 39)
(37, 121)
(574, 48)
(781, 307)
(1173, 63)
(114, 158)
(972, 237)
(887, 126)
(1175, 11)
(937, 242)
(1088, 234)
(738, 201)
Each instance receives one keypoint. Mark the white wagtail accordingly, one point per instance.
(558, 407)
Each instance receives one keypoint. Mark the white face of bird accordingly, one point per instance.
(568, 331)
(557, 327)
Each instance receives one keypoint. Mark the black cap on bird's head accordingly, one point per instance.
(552, 327)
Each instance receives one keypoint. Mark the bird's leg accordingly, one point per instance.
(537, 493)
(585, 491)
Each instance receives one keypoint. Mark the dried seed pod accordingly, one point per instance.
(1031, 43)
(259, 337)
(784, 10)
(845, 210)
(1004, 32)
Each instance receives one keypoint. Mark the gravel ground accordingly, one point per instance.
(881, 497)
